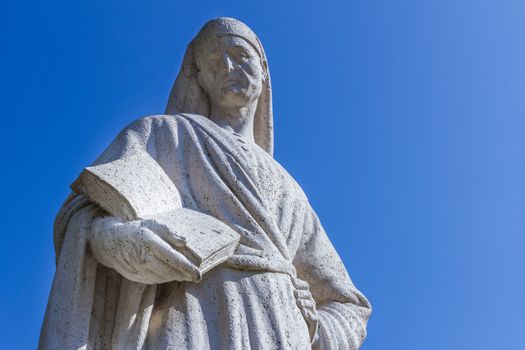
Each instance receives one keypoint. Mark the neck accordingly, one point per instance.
(236, 119)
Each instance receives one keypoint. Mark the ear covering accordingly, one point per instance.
(188, 97)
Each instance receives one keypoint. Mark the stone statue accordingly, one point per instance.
(284, 287)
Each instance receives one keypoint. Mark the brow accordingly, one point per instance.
(216, 51)
(238, 46)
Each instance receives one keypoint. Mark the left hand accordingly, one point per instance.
(307, 305)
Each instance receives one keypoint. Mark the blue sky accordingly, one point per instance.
(403, 121)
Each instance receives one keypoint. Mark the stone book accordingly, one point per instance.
(137, 188)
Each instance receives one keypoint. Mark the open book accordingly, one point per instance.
(136, 187)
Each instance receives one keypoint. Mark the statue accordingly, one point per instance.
(284, 287)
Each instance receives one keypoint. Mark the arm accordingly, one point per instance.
(138, 253)
(342, 311)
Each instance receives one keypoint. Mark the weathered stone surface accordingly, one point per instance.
(284, 287)
(129, 188)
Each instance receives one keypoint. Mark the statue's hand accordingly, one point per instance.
(138, 253)
(307, 305)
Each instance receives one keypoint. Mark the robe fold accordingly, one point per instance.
(248, 302)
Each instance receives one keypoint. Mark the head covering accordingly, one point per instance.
(188, 97)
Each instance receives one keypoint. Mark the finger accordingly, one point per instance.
(164, 232)
(310, 315)
(154, 276)
(162, 272)
(136, 276)
(306, 303)
(145, 279)
(302, 294)
(300, 284)
(124, 262)
(173, 258)
(143, 273)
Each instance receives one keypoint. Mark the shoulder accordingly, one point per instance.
(159, 130)
(149, 122)
(145, 127)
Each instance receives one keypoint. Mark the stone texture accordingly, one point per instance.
(129, 188)
(284, 287)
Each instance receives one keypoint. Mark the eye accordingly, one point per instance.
(243, 55)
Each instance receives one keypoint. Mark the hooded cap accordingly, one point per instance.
(188, 97)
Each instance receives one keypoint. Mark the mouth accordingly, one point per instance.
(232, 86)
(229, 82)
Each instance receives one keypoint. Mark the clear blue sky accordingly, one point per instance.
(404, 122)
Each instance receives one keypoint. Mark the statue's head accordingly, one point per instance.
(231, 67)
(225, 64)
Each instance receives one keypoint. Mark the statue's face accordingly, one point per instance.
(230, 71)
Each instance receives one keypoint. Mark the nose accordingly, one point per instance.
(228, 62)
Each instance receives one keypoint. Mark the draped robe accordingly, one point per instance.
(248, 302)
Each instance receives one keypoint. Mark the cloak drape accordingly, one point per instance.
(246, 303)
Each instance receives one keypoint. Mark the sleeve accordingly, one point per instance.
(135, 138)
(343, 311)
